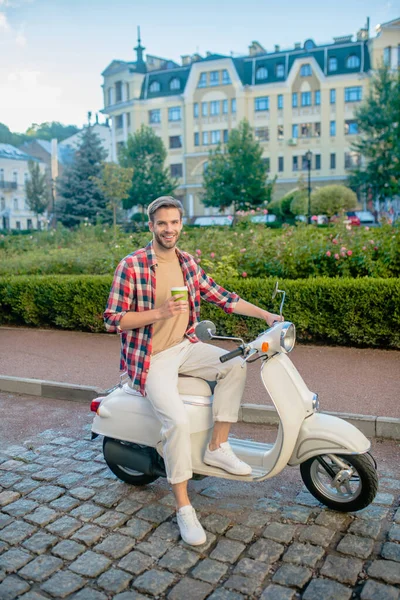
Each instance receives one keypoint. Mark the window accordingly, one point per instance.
(353, 62)
(196, 110)
(127, 91)
(294, 100)
(119, 121)
(214, 78)
(29, 224)
(261, 73)
(280, 101)
(202, 80)
(18, 224)
(304, 163)
(128, 119)
(332, 64)
(176, 170)
(305, 70)
(214, 107)
(15, 176)
(225, 77)
(154, 87)
(204, 109)
(196, 138)
(295, 131)
(205, 138)
(174, 113)
(118, 91)
(280, 164)
(26, 177)
(1, 174)
(351, 127)
(224, 107)
(215, 136)
(317, 97)
(2, 203)
(351, 159)
(332, 96)
(175, 141)
(174, 84)
(261, 103)
(110, 96)
(280, 71)
(306, 98)
(233, 105)
(333, 161)
(295, 164)
(261, 134)
(155, 115)
(387, 56)
(267, 164)
(280, 132)
(318, 162)
(305, 130)
(353, 94)
(317, 129)
(15, 203)
(225, 136)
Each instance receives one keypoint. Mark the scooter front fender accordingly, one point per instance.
(325, 434)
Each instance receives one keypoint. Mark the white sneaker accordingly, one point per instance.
(224, 458)
(191, 531)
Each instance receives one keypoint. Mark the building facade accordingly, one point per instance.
(296, 100)
(14, 172)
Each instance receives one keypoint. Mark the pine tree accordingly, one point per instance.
(236, 174)
(37, 190)
(80, 199)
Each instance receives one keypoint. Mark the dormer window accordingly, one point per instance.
(174, 84)
(305, 70)
(214, 78)
(280, 71)
(261, 73)
(154, 87)
(332, 64)
(202, 80)
(353, 62)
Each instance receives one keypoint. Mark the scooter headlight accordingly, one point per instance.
(288, 337)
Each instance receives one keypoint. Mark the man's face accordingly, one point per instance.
(166, 227)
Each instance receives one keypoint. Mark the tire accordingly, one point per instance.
(355, 494)
(128, 475)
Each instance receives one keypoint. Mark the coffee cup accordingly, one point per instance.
(180, 291)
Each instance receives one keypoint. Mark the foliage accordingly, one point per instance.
(50, 130)
(331, 200)
(236, 174)
(8, 137)
(114, 184)
(146, 154)
(37, 190)
(357, 312)
(379, 142)
(79, 197)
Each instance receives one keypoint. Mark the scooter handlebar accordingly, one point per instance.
(229, 355)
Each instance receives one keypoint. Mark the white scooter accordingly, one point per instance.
(333, 455)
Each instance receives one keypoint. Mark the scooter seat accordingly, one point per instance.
(187, 386)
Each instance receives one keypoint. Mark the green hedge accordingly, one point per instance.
(356, 312)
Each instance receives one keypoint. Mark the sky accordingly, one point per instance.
(52, 52)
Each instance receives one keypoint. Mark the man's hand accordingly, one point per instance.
(271, 318)
(172, 307)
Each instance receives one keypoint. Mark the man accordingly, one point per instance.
(158, 342)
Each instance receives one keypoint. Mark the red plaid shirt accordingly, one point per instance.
(134, 289)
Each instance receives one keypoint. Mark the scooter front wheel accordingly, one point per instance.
(342, 482)
(125, 473)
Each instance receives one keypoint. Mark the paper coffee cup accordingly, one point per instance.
(180, 291)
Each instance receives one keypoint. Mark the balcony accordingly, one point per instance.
(8, 185)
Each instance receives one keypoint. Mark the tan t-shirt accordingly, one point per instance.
(168, 332)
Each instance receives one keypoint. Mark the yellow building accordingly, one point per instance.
(297, 100)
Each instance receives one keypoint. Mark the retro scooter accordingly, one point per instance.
(333, 455)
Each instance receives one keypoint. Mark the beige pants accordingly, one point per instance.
(197, 360)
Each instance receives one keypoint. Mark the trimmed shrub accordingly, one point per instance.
(356, 312)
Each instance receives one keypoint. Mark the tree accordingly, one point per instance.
(8, 137)
(331, 200)
(48, 131)
(379, 142)
(114, 183)
(146, 154)
(236, 173)
(37, 190)
(80, 199)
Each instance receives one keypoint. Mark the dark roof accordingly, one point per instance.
(164, 79)
(13, 153)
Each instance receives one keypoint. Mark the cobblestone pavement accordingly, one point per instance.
(69, 529)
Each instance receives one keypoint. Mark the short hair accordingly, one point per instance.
(163, 202)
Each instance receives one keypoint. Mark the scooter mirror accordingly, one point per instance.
(205, 330)
(276, 290)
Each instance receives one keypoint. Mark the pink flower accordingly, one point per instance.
(337, 256)
(343, 254)
(243, 250)
(198, 251)
(244, 274)
(366, 228)
(314, 218)
(212, 254)
(348, 227)
(371, 242)
(184, 232)
(198, 260)
(376, 248)
(265, 212)
(349, 252)
(252, 212)
(334, 242)
(328, 253)
(343, 249)
(230, 217)
(364, 247)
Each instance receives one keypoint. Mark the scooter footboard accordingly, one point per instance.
(325, 434)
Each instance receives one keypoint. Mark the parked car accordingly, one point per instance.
(352, 218)
(366, 217)
(263, 218)
(212, 220)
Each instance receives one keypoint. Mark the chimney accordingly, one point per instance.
(97, 118)
(256, 48)
(185, 60)
(297, 46)
(277, 48)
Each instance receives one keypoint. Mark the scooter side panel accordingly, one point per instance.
(326, 434)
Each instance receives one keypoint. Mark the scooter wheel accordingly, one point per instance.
(357, 492)
(128, 475)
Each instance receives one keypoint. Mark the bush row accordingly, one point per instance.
(355, 312)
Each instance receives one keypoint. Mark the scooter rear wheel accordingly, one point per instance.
(127, 475)
(318, 474)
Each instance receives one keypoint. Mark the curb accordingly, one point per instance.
(370, 425)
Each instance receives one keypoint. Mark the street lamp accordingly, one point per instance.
(308, 158)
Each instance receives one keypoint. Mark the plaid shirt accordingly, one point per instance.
(134, 289)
